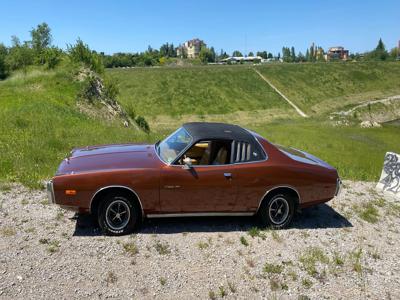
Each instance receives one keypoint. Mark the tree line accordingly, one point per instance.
(40, 51)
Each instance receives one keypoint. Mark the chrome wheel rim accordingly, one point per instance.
(278, 210)
(118, 214)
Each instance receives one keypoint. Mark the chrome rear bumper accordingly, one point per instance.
(338, 187)
(50, 192)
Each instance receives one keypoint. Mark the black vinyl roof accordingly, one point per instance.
(206, 130)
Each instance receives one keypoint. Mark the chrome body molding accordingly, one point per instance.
(277, 187)
(50, 192)
(116, 186)
(339, 186)
(210, 214)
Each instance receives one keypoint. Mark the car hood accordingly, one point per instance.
(303, 157)
(108, 157)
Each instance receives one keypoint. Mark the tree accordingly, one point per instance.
(293, 54)
(394, 53)
(41, 40)
(213, 55)
(380, 52)
(311, 56)
(81, 53)
(286, 56)
(307, 57)
(237, 53)
(250, 53)
(270, 55)
(52, 57)
(19, 56)
(320, 54)
(301, 57)
(222, 55)
(3, 65)
(205, 55)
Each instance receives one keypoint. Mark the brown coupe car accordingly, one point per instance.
(202, 169)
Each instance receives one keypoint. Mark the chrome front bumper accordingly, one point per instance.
(50, 192)
(338, 187)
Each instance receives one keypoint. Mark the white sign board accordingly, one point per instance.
(389, 182)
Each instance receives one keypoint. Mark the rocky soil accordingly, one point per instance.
(346, 249)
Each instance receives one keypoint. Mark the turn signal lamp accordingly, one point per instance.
(70, 192)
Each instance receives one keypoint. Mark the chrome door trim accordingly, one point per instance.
(208, 214)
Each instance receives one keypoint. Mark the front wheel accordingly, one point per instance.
(117, 215)
(277, 212)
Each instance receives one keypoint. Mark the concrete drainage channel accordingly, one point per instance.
(298, 110)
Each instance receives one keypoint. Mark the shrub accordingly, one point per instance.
(272, 268)
(310, 258)
(142, 123)
(81, 53)
(131, 248)
(90, 89)
(243, 241)
(20, 56)
(162, 248)
(111, 89)
(52, 57)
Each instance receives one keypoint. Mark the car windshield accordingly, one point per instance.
(170, 148)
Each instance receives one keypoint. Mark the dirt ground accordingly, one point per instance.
(348, 248)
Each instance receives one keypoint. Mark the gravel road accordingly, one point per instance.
(346, 249)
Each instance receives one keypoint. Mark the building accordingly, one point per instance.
(242, 59)
(190, 49)
(337, 53)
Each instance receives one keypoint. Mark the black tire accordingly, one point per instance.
(281, 204)
(117, 214)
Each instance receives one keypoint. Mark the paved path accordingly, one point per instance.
(299, 111)
(350, 111)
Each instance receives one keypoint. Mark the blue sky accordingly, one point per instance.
(130, 26)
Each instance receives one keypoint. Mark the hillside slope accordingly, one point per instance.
(40, 124)
(195, 90)
(321, 88)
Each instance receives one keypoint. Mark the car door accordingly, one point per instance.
(252, 175)
(200, 188)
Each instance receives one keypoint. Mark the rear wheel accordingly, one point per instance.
(118, 215)
(277, 212)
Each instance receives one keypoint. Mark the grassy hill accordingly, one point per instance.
(194, 90)
(321, 88)
(41, 123)
(220, 90)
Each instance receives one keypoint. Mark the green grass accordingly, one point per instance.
(40, 124)
(323, 87)
(273, 268)
(357, 153)
(194, 90)
(310, 258)
(368, 212)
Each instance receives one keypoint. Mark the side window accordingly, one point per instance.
(245, 152)
(215, 152)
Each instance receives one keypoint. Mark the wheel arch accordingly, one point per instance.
(287, 189)
(100, 193)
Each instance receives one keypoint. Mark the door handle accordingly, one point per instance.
(228, 175)
(170, 187)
